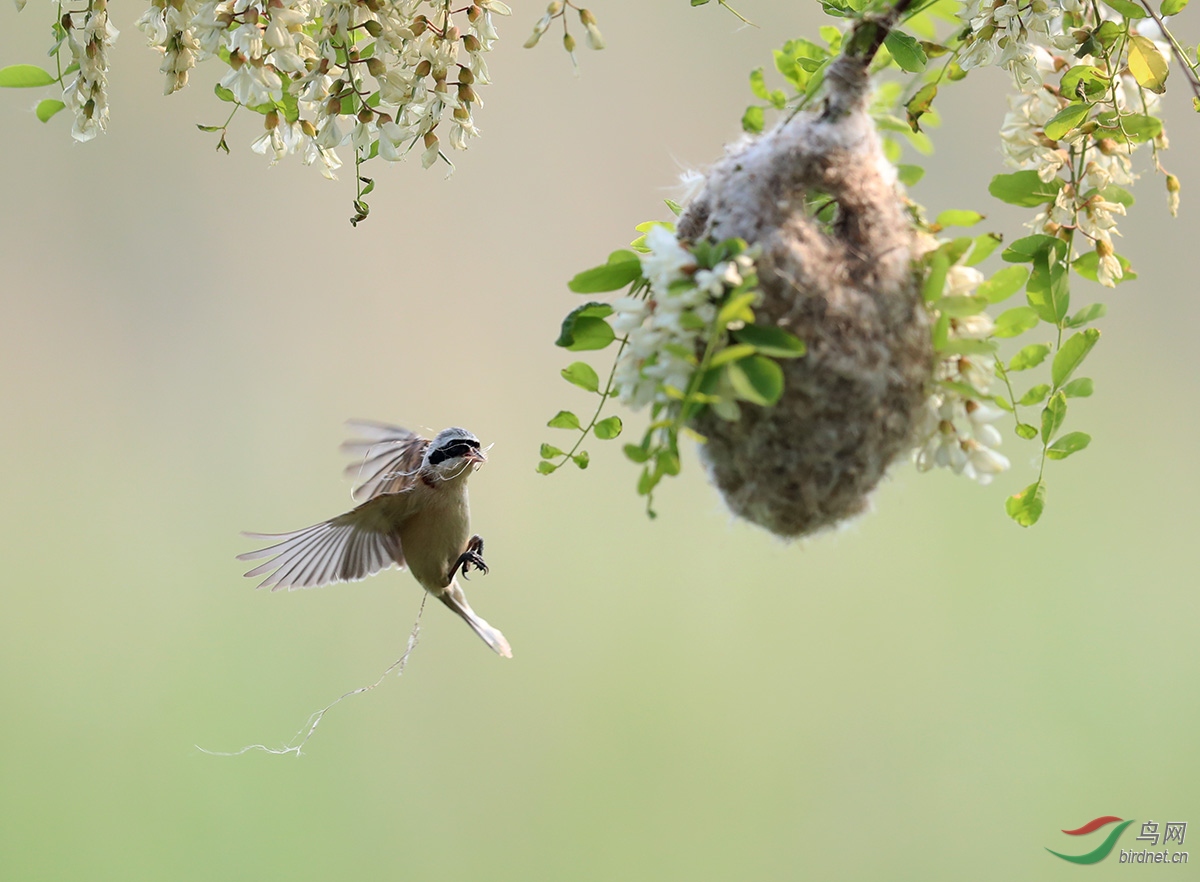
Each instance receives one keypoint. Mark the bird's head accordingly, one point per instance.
(453, 453)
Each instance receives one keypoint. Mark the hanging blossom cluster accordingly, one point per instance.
(1020, 36)
(957, 431)
(90, 35)
(666, 327)
(378, 75)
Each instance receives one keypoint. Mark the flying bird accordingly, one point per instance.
(415, 513)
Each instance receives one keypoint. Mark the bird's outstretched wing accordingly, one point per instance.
(386, 458)
(347, 548)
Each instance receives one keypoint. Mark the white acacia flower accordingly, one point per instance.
(666, 260)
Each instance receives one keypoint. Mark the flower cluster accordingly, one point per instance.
(1109, 113)
(378, 76)
(87, 94)
(558, 9)
(667, 326)
(1008, 33)
(957, 431)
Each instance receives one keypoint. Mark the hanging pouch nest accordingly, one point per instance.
(846, 287)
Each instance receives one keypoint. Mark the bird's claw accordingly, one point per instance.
(472, 557)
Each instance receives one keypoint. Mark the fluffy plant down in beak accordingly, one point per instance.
(848, 290)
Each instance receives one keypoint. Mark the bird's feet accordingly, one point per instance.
(472, 557)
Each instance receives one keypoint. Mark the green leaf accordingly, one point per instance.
(549, 451)
(622, 268)
(667, 463)
(920, 104)
(958, 306)
(982, 248)
(1138, 127)
(581, 374)
(1147, 64)
(676, 208)
(1026, 431)
(1088, 264)
(1081, 388)
(1066, 120)
(758, 84)
(564, 419)
(1072, 442)
(1016, 321)
(1047, 290)
(47, 107)
(1127, 8)
(1173, 7)
(1003, 284)
(608, 428)
(1027, 506)
(585, 328)
(1024, 188)
(582, 459)
(753, 119)
(1071, 355)
(959, 218)
(637, 453)
(1084, 81)
(1028, 248)
(731, 354)
(1029, 357)
(24, 76)
(756, 379)
(909, 175)
(771, 340)
(935, 282)
(224, 94)
(1036, 395)
(737, 308)
(545, 468)
(1086, 316)
(906, 51)
(1053, 415)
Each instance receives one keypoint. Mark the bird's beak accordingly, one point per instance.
(477, 456)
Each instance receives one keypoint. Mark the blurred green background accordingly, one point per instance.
(931, 693)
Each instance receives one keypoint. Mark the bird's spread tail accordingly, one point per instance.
(454, 598)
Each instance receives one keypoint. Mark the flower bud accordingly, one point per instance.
(568, 42)
(419, 25)
(376, 67)
(471, 43)
(1173, 194)
(365, 115)
(429, 140)
(594, 38)
(453, 34)
(423, 69)
(554, 8)
(586, 17)
(333, 106)
(465, 75)
(270, 119)
(373, 27)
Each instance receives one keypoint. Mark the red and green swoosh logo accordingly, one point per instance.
(1101, 851)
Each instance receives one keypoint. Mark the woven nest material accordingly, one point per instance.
(848, 291)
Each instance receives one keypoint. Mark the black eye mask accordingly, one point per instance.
(451, 450)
